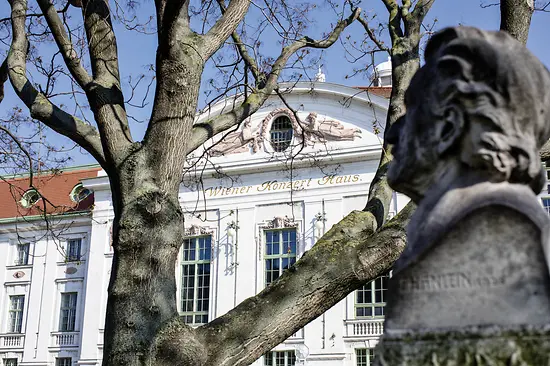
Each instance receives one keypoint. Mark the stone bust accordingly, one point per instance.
(467, 152)
(477, 114)
(478, 110)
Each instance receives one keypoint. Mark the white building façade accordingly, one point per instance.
(264, 196)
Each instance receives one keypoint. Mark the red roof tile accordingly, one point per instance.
(54, 188)
(381, 91)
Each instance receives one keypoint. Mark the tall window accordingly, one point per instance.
(195, 289)
(281, 133)
(67, 317)
(280, 358)
(546, 204)
(22, 258)
(280, 252)
(370, 299)
(17, 303)
(73, 249)
(63, 361)
(364, 356)
(10, 362)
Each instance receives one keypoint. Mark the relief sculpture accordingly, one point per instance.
(328, 130)
(237, 142)
(253, 139)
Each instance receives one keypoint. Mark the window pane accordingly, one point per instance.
(22, 254)
(63, 361)
(67, 317)
(370, 299)
(281, 133)
(17, 304)
(195, 288)
(73, 249)
(281, 248)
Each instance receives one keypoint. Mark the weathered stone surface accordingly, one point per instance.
(489, 269)
(475, 346)
(473, 285)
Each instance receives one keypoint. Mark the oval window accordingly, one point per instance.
(281, 133)
(79, 193)
(29, 198)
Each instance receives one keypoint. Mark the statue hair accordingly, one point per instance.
(495, 81)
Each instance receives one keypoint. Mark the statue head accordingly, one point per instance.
(480, 104)
(311, 119)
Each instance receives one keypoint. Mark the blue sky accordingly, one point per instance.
(137, 52)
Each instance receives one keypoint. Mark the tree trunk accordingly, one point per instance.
(148, 230)
(515, 18)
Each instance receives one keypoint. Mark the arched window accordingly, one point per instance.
(29, 198)
(281, 133)
(79, 193)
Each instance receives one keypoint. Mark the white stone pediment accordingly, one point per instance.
(325, 119)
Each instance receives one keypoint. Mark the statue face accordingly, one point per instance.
(413, 136)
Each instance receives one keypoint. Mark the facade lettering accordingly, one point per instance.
(275, 185)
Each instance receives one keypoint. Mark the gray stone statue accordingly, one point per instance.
(473, 285)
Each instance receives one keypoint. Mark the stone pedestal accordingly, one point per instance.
(478, 294)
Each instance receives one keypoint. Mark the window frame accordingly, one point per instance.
(373, 304)
(546, 208)
(18, 313)
(280, 256)
(63, 361)
(194, 313)
(18, 260)
(71, 315)
(10, 361)
(367, 354)
(287, 360)
(286, 144)
(73, 257)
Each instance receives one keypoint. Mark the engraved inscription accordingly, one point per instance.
(449, 281)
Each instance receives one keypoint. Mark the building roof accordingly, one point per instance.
(53, 187)
(381, 91)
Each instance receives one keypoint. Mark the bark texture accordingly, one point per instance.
(142, 324)
(515, 18)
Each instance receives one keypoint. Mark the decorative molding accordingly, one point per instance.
(279, 222)
(67, 280)
(196, 230)
(71, 270)
(19, 274)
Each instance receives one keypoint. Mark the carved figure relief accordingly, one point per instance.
(237, 141)
(328, 130)
(312, 130)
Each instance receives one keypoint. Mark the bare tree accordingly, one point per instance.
(142, 325)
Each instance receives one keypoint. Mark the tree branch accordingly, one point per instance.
(241, 47)
(222, 29)
(169, 12)
(347, 256)
(371, 35)
(515, 18)
(203, 131)
(70, 56)
(25, 152)
(394, 18)
(105, 93)
(40, 107)
(3, 77)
